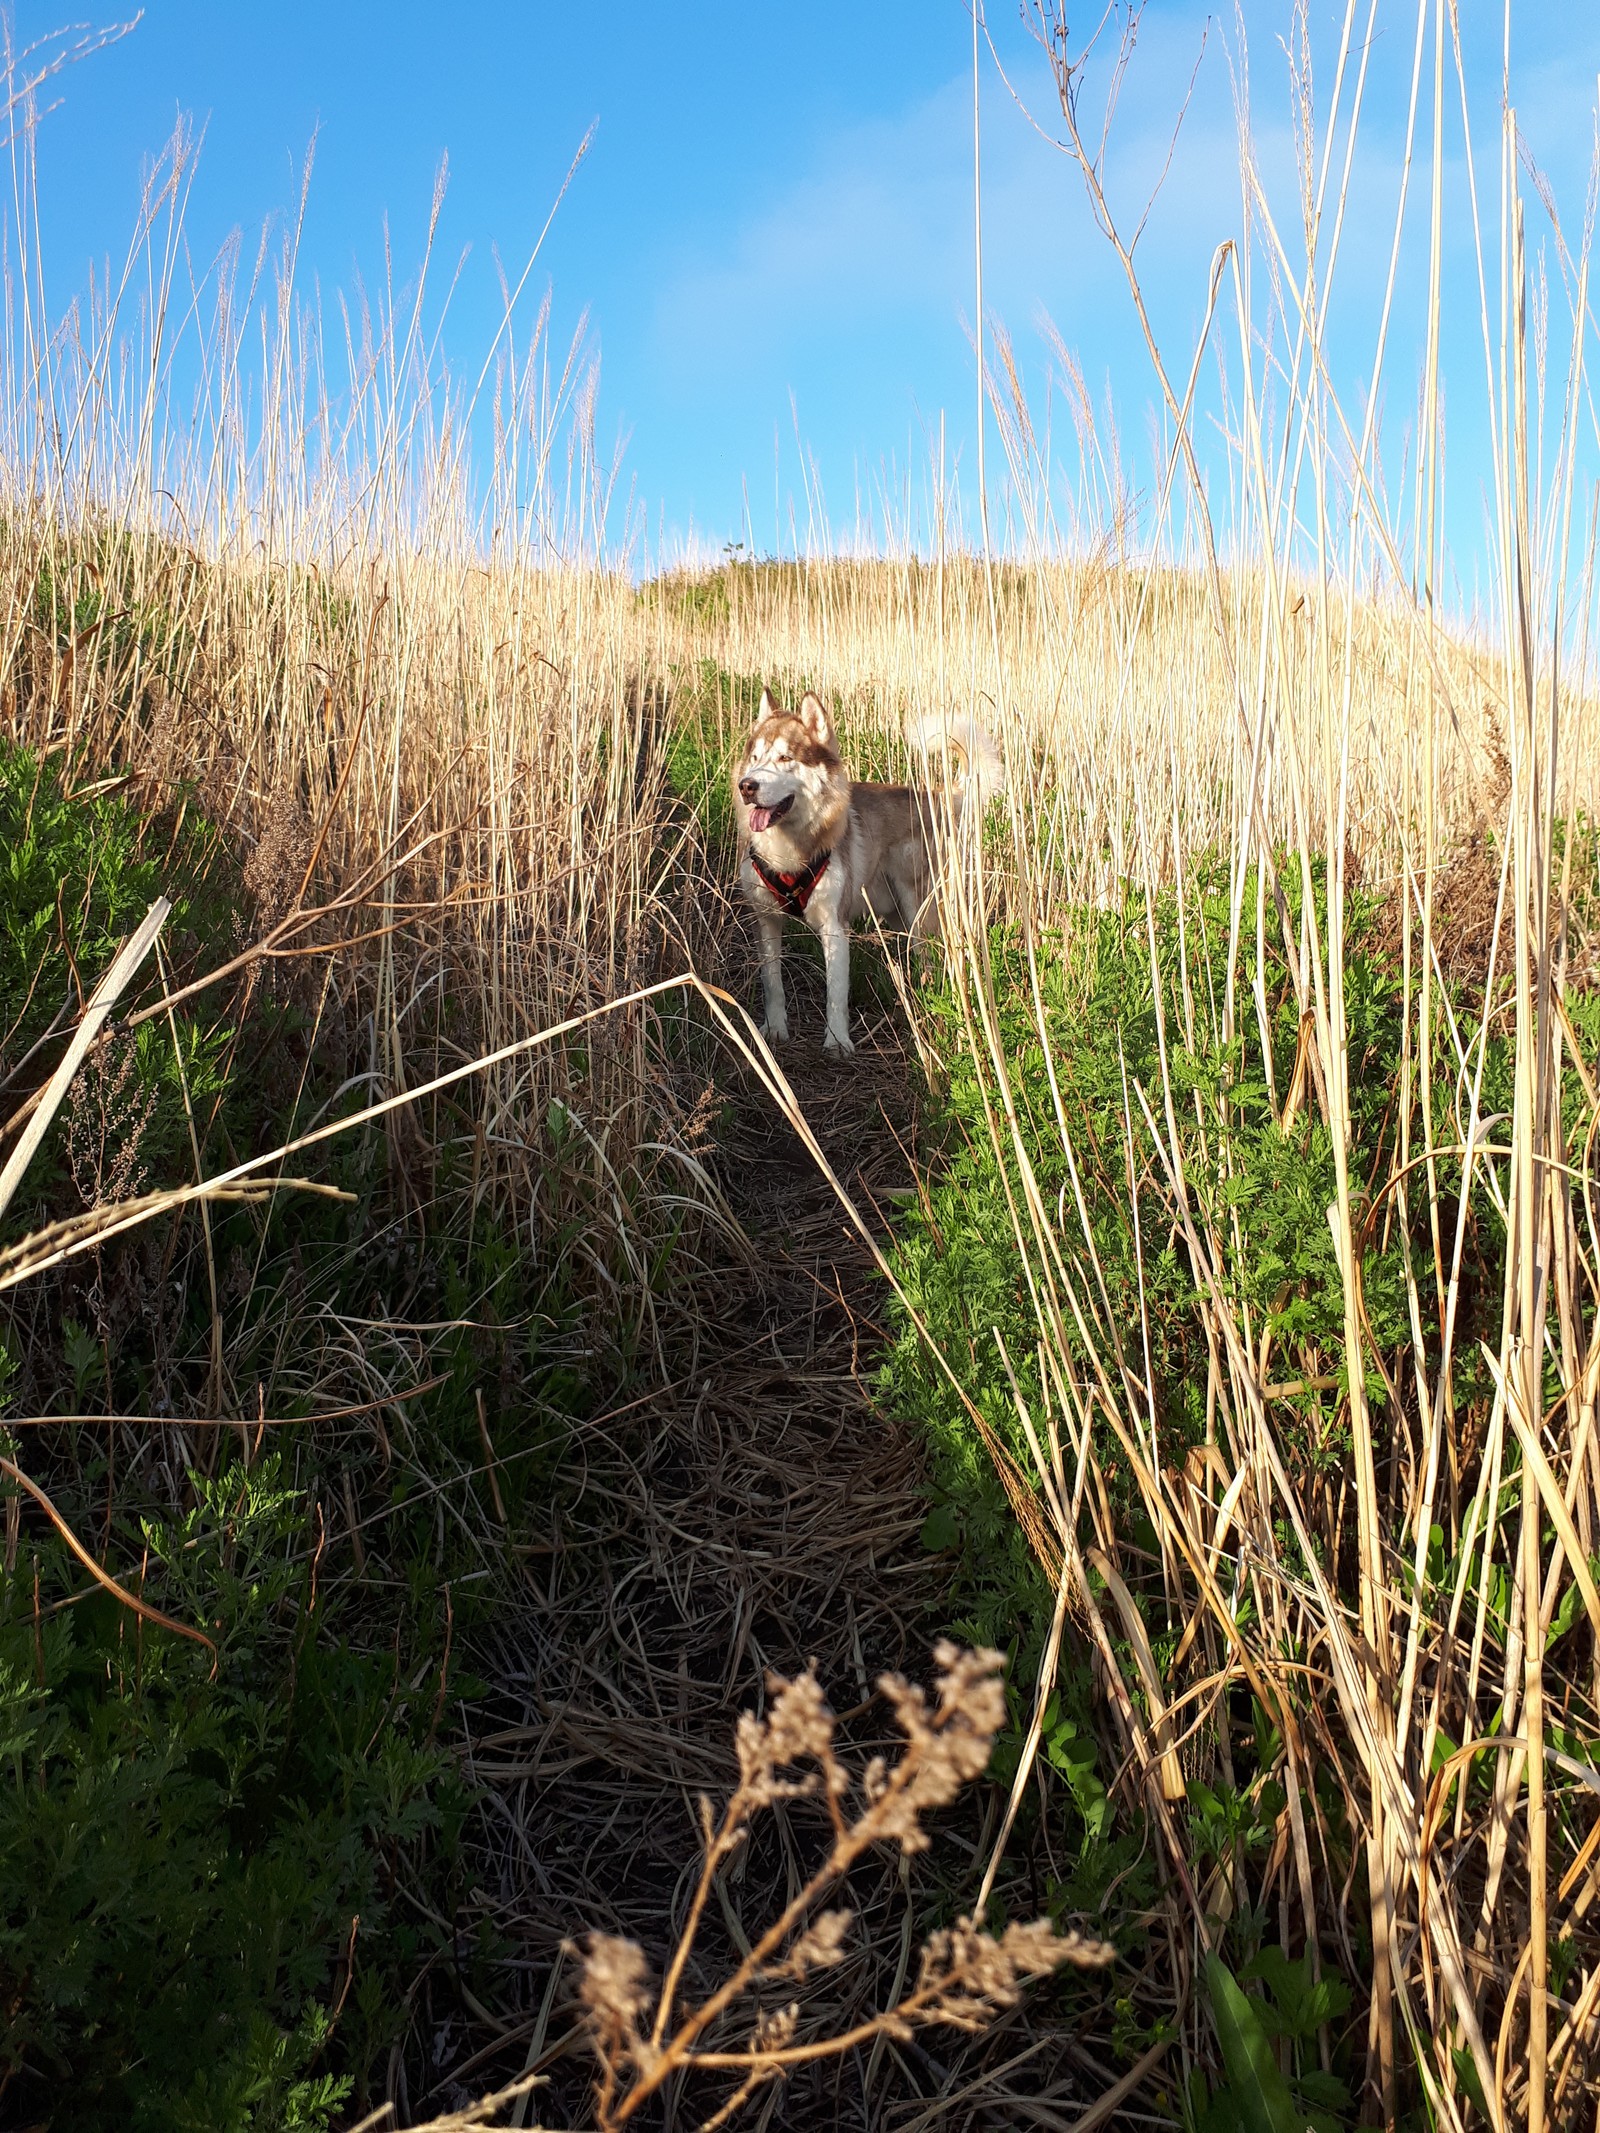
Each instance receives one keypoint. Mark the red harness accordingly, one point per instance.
(793, 891)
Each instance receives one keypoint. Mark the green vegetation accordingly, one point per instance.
(78, 871)
(1084, 1030)
(711, 710)
(202, 1925)
(1258, 2097)
(225, 1857)
(1087, 1052)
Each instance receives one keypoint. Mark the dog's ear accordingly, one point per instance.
(768, 707)
(814, 717)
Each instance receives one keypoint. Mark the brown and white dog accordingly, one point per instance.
(815, 845)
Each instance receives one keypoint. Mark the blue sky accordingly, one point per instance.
(771, 233)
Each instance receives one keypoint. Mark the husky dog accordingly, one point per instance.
(817, 846)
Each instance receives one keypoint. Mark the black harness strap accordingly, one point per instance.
(793, 891)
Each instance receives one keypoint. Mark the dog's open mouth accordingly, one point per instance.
(763, 817)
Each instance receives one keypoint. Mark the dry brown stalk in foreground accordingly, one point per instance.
(965, 1977)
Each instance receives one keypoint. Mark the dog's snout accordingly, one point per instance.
(748, 790)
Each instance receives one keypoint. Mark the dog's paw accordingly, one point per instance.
(776, 1032)
(837, 1045)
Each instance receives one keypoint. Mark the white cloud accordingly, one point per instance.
(863, 242)
(872, 220)
(871, 230)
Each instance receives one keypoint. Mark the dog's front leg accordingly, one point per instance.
(775, 1022)
(836, 954)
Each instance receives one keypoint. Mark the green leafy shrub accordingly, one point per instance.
(1129, 1003)
(197, 1874)
(1258, 1185)
(78, 871)
(217, 1892)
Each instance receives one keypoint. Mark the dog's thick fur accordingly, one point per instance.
(796, 801)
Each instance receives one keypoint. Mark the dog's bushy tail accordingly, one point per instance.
(978, 771)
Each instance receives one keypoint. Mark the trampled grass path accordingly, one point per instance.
(755, 1512)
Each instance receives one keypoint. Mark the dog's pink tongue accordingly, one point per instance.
(760, 819)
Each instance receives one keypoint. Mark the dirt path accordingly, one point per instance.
(755, 1513)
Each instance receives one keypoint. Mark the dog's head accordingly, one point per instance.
(790, 757)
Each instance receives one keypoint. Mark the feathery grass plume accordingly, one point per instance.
(965, 1978)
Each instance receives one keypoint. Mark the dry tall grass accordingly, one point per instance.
(411, 704)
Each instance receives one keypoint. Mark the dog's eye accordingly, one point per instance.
(782, 756)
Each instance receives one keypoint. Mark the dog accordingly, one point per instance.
(818, 846)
